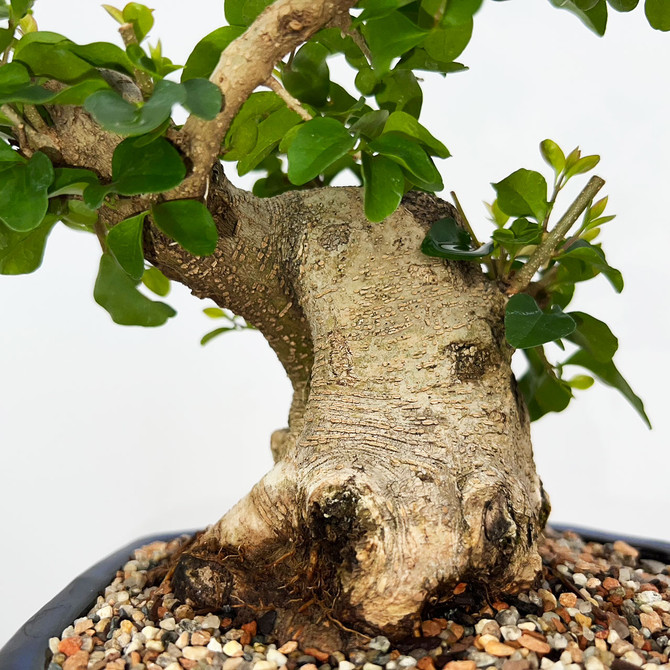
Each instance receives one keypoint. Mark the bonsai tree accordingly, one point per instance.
(406, 466)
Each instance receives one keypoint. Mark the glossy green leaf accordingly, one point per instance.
(459, 12)
(418, 59)
(581, 382)
(623, 5)
(205, 56)
(8, 155)
(553, 154)
(523, 193)
(543, 392)
(594, 18)
(411, 156)
(95, 194)
(527, 326)
(150, 168)
(115, 13)
(584, 164)
(203, 98)
(608, 373)
(375, 8)
(405, 124)
(269, 133)
(116, 292)
(79, 216)
(371, 124)
(400, 90)
(6, 37)
(317, 144)
(56, 61)
(307, 77)
(215, 333)
(447, 43)
(114, 113)
(103, 54)
(384, 186)
(71, 181)
(390, 36)
(22, 252)
(23, 193)
(141, 17)
(215, 313)
(594, 337)
(189, 223)
(658, 14)
(583, 261)
(156, 281)
(521, 233)
(20, 7)
(446, 239)
(498, 217)
(124, 240)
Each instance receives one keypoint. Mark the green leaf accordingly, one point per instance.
(115, 13)
(124, 240)
(447, 43)
(79, 216)
(6, 37)
(8, 155)
(189, 223)
(390, 36)
(71, 181)
(216, 332)
(520, 234)
(582, 165)
(608, 373)
(205, 56)
(141, 17)
(418, 59)
(116, 292)
(317, 144)
(594, 337)
(269, 134)
(400, 90)
(20, 8)
(375, 8)
(22, 252)
(543, 392)
(149, 168)
(411, 156)
(203, 98)
(23, 193)
(55, 61)
(446, 239)
(523, 193)
(594, 18)
(114, 113)
(156, 281)
(405, 124)
(553, 154)
(658, 14)
(307, 77)
(497, 215)
(384, 186)
(215, 313)
(527, 326)
(581, 382)
(371, 124)
(95, 194)
(366, 81)
(583, 261)
(103, 54)
(460, 11)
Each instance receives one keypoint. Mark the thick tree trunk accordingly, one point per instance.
(407, 466)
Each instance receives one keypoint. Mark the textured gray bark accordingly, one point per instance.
(407, 466)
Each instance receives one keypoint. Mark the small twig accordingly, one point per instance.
(292, 103)
(34, 117)
(546, 248)
(466, 223)
(144, 83)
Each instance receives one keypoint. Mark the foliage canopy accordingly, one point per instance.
(303, 133)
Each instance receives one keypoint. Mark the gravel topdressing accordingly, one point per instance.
(597, 606)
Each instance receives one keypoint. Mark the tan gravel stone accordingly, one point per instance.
(460, 665)
(200, 638)
(651, 621)
(78, 661)
(287, 648)
(496, 648)
(625, 549)
(532, 643)
(567, 599)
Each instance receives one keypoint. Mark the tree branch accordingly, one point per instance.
(291, 102)
(245, 64)
(546, 248)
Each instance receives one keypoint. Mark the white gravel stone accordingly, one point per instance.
(168, 624)
(53, 644)
(150, 632)
(215, 646)
(232, 648)
(232, 663)
(264, 665)
(647, 598)
(579, 579)
(183, 640)
(105, 612)
(211, 621)
(593, 663)
(407, 661)
(346, 665)
(154, 645)
(195, 653)
(372, 666)
(510, 632)
(276, 657)
(632, 656)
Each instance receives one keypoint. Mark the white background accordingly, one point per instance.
(110, 433)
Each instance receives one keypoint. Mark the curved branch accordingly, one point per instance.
(246, 64)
